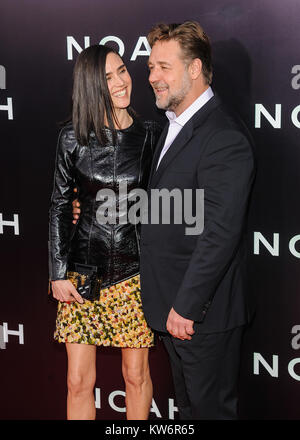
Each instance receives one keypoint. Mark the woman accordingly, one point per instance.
(104, 146)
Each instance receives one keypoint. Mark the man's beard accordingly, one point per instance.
(176, 99)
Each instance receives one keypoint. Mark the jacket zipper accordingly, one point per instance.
(112, 231)
(93, 207)
(139, 184)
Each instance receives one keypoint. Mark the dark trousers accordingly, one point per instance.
(205, 372)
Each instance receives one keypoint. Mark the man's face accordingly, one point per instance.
(169, 76)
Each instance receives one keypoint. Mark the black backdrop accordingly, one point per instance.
(256, 70)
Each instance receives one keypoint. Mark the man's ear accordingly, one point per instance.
(195, 68)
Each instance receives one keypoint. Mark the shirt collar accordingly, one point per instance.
(183, 118)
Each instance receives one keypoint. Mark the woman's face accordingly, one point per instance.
(118, 81)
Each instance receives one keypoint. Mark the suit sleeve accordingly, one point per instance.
(227, 170)
(60, 215)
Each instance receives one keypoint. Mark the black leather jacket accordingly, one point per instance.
(113, 248)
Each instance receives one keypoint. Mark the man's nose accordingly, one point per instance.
(153, 76)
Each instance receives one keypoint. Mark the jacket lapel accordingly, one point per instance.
(158, 148)
(180, 141)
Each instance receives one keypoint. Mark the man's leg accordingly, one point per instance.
(208, 366)
(182, 399)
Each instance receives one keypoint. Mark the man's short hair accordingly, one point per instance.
(192, 39)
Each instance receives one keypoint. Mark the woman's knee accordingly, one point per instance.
(134, 378)
(81, 368)
(80, 383)
(135, 375)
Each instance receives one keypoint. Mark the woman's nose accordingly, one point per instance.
(119, 81)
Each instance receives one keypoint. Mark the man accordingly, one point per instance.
(192, 286)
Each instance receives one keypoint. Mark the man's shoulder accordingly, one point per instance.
(221, 118)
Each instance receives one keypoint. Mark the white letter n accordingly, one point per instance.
(71, 42)
(275, 122)
(257, 358)
(274, 250)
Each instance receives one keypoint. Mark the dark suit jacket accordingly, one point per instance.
(201, 276)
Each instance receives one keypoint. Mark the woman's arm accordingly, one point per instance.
(60, 218)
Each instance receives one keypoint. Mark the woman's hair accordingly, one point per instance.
(192, 39)
(92, 103)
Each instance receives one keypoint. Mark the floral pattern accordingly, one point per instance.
(116, 320)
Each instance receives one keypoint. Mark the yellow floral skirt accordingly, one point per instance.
(116, 320)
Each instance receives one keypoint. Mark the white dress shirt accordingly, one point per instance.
(177, 123)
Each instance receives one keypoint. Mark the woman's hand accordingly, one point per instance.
(64, 291)
(76, 209)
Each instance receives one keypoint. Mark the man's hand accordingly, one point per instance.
(179, 327)
(76, 209)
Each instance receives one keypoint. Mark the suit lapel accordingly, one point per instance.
(180, 141)
(158, 148)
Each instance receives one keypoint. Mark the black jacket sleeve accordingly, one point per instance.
(60, 218)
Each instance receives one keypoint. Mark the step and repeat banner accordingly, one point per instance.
(257, 72)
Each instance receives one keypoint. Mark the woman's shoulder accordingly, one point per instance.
(144, 127)
(67, 138)
(67, 131)
(153, 126)
(153, 131)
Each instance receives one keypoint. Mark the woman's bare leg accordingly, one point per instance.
(81, 381)
(138, 383)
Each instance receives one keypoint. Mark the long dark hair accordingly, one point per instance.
(91, 98)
